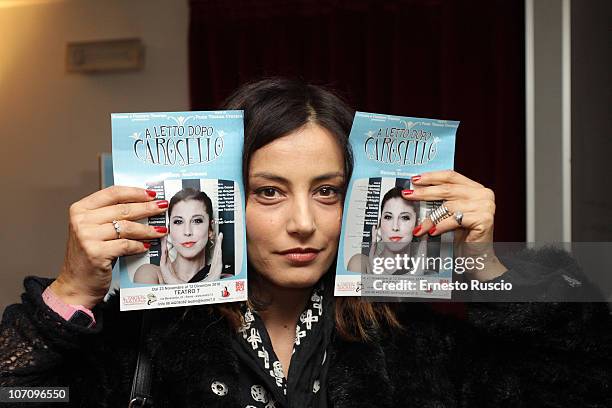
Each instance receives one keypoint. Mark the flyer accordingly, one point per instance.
(378, 255)
(193, 160)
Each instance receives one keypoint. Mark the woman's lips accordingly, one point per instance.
(395, 239)
(300, 256)
(188, 244)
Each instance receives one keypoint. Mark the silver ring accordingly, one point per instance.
(459, 217)
(439, 214)
(117, 228)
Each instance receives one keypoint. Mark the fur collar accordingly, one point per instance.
(195, 351)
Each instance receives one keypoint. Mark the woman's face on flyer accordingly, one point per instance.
(294, 207)
(189, 228)
(397, 221)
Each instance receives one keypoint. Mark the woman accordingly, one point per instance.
(191, 231)
(293, 344)
(397, 222)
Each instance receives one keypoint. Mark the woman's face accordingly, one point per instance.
(294, 209)
(189, 228)
(397, 221)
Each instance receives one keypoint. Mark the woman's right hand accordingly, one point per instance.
(167, 273)
(216, 263)
(93, 243)
(373, 254)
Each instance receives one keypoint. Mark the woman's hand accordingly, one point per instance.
(93, 243)
(373, 250)
(376, 249)
(459, 193)
(216, 263)
(167, 274)
(476, 202)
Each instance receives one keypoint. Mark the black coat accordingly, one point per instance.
(500, 355)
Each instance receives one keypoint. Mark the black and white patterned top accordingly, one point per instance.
(264, 382)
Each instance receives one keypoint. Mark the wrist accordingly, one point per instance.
(75, 314)
(71, 296)
(493, 269)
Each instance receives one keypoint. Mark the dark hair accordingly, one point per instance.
(396, 192)
(273, 108)
(196, 195)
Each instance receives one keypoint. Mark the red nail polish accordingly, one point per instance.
(432, 230)
(147, 245)
(407, 192)
(162, 204)
(151, 193)
(161, 230)
(416, 229)
(416, 178)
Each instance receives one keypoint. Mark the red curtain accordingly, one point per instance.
(461, 60)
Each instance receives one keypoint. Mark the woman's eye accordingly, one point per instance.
(387, 217)
(177, 222)
(406, 217)
(328, 192)
(198, 220)
(267, 192)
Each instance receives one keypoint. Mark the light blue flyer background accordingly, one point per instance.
(128, 127)
(438, 135)
(136, 163)
(395, 147)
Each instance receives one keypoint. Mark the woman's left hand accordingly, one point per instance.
(476, 202)
(459, 193)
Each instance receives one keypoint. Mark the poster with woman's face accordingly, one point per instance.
(192, 161)
(377, 238)
(200, 210)
(383, 225)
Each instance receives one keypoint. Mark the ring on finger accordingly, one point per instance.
(459, 217)
(439, 214)
(117, 227)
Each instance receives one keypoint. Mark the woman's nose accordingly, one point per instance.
(395, 226)
(301, 220)
(187, 230)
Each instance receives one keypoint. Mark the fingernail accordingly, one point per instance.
(407, 192)
(162, 204)
(415, 178)
(161, 230)
(147, 245)
(151, 193)
(416, 229)
(432, 231)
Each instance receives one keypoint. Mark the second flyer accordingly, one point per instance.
(378, 255)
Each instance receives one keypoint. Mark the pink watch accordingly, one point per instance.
(77, 314)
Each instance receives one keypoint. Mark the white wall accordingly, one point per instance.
(53, 125)
(545, 126)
